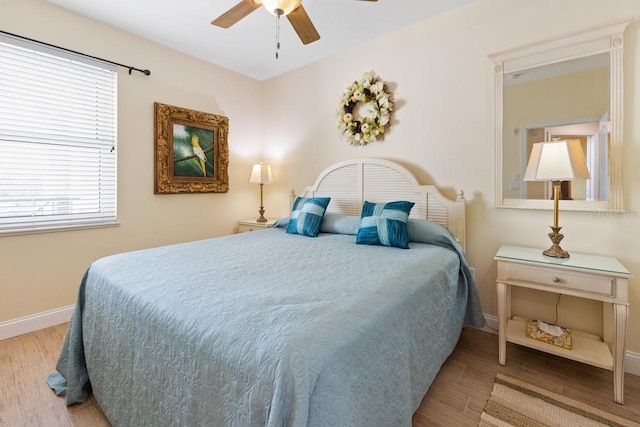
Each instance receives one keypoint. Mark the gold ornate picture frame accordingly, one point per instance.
(191, 151)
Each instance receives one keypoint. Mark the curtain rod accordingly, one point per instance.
(145, 72)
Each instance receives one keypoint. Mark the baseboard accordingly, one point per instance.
(34, 322)
(632, 363)
(631, 360)
(491, 324)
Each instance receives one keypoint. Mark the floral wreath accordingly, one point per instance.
(371, 91)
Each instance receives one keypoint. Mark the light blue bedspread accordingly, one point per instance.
(266, 329)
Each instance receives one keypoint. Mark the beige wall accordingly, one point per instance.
(442, 81)
(40, 272)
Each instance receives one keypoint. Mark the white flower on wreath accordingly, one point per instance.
(363, 130)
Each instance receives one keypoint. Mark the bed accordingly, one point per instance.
(320, 331)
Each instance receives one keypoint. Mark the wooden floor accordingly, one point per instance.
(456, 397)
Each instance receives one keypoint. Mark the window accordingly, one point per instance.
(57, 139)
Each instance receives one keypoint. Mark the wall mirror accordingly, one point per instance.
(568, 87)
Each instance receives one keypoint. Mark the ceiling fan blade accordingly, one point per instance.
(302, 24)
(236, 13)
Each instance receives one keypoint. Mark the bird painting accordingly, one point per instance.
(193, 151)
(197, 150)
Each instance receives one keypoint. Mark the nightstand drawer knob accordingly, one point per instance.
(556, 279)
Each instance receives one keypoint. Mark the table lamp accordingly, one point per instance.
(556, 161)
(261, 174)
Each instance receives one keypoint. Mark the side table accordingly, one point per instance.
(593, 277)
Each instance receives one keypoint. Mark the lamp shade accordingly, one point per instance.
(556, 161)
(261, 174)
(286, 6)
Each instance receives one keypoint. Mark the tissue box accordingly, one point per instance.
(563, 340)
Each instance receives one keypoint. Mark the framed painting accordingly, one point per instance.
(191, 151)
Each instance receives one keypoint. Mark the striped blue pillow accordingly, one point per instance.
(385, 224)
(306, 215)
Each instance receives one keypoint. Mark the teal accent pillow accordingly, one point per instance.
(385, 224)
(306, 215)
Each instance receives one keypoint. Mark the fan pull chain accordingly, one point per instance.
(278, 32)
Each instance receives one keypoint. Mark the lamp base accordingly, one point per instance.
(262, 218)
(555, 250)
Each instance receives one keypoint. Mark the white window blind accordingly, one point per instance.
(57, 139)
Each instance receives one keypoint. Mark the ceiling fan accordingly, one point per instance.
(292, 9)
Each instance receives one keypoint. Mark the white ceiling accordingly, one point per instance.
(248, 47)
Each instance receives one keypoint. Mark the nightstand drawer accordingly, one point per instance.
(242, 228)
(601, 285)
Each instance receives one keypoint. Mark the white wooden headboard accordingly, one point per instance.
(351, 182)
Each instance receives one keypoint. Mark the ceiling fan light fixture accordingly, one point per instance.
(281, 7)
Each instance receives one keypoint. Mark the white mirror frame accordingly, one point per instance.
(604, 39)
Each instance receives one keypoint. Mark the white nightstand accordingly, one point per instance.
(594, 277)
(253, 225)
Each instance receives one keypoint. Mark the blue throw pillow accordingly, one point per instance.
(385, 224)
(340, 224)
(306, 215)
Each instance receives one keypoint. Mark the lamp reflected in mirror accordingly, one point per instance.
(558, 162)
